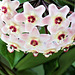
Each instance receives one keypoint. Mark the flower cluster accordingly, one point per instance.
(20, 32)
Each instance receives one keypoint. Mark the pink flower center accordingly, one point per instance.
(61, 36)
(34, 42)
(51, 52)
(13, 28)
(66, 49)
(13, 46)
(74, 39)
(31, 19)
(58, 20)
(4, 9)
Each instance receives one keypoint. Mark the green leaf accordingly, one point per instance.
(70, 71)
(22, 1)
(65, 61)
(1, 73)
(20, 10)
(12, 58)
(17, 57)
(30, 61)
(3, 60)
(51, 66)
(61, 3)
(6, 69)
(73, 64)
(26, 72)
(39, 70)
(42, 30)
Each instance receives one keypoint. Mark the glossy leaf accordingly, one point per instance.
(6, 69)
(12, 58)
(22, 1)
(51, 66)
(30, 61)
(73, 64)
(26, 72)
(61, 3)
(65, 61)
(70, 71)
(39, 69)
(3, 60)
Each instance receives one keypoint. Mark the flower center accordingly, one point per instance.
(51, 52)
(34, 42)
(61, 36)
(13, 46)
(66, 49)
(74, 39)
(4, 9)
(58, 20)
(31, 19)
(13, 28)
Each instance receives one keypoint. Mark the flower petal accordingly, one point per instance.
(22, 28)
(4, 29)
(24, 37)
(5, 38)
(19, 17)
(27, 7)
(29, 27)
(72, 17)
(44, 37)
(65, 10)
(46, 20)
(40, 9)
(53, 10)
(34, 32)
(14, 5)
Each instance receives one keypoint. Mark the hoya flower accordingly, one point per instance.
(31, 16)
(35, 42)
(12, 27)
(51, 47)
(60, 35)
(8, 7)
(13, 43)
(56, 16)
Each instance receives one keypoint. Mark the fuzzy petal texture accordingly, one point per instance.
(27, 7)
(72, 17)
(5, 38)
(4, 29)
(65, 10)
(52, 9)
(34, 33)
(19, 17)
(40, 9)
(46, 20)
